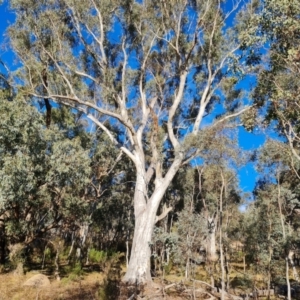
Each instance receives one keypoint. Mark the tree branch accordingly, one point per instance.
(165, 212)
(232, 115)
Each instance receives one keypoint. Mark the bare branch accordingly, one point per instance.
(174, 107)
(165, 212)
(232, 115)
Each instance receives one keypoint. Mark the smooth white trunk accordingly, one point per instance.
(211, 241)
(145, 210)
(138, 270)
(211, 252)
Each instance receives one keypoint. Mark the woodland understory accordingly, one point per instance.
(122, 125)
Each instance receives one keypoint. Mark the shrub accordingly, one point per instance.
(96, 256)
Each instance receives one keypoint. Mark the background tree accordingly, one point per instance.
(276, 199)
(43, 174)
(278, 85)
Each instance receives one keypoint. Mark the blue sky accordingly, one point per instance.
(247, 174)
(247, 141)
(6, 18)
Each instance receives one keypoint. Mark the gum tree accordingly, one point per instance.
(146, 73)
(43, 175)
(279, 81)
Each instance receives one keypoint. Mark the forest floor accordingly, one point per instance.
(105, 285)
(81, 288)
(90, 286)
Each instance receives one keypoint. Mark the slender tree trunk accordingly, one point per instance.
(187, 265)
(221, 241)
(227, 269)
(211, 251)
(127, 253)
(270, 250)
(289, 296)
(269, 274)
(284, 237)
(2, 243)
(222, 266)
(71, 248)
(211, 242)
(56, 263)
(44, 256)
(291, 260)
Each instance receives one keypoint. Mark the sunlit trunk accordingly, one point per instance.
(211, 241)
(211, 250)
(145, 210)
(138, 270)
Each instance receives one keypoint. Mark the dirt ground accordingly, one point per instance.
(91, 286)
(88, 287)
(95, 285)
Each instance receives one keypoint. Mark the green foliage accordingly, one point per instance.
(76, 270)
(96, 256)
(61, 177)
(164, 44)
(242, 282)
(168, 267)
(47, 253)
(278, 85)
(17, 255)
(44, 173)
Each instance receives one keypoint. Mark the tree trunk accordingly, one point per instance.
(284, 237)
(138, 270)
(211, 241)
(291, 260)
(287, 274)
(145, 209)
(221, 241)
(2, 243)
(211, 251)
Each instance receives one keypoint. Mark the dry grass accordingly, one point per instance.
(11, 288)
(94, 286)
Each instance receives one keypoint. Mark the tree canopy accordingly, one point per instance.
(121, 125)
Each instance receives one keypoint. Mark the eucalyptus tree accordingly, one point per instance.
(146, 73)
(269, 237)
(220, 197)
(277, 199)
(279, 81)
(43, 175)
(263, 238)
(111, 194)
